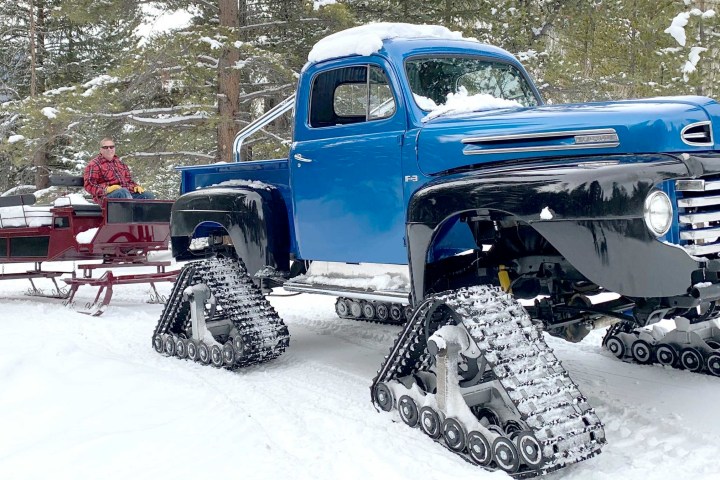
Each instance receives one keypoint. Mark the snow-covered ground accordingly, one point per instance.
(88, 398)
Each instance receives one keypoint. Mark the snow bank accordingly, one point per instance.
(86, 236)
(461, 102)
(368, 39)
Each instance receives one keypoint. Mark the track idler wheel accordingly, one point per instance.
(615, 346)
(408, 411)
(454, 435)
(169, 345)
(529, 450)
(641, 351)
(216, 356)
(430, 422)
(181, 348)
(383, 397)
(479, 448)
(368, 310)
(158, 343)
(192, 350)
(691, 359)
(666, 355)
(713, 364)
(228, 353)
(505, 455)
(341, 308)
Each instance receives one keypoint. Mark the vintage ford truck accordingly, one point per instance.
(429, 185)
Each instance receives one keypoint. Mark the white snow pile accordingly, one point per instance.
(546, 214)
(86, 236)
(321, 3)
(693, 59)
(24, 216)
(158, 21)
(96, 82)
(15, 138)
(677, 27)
(368, 39)
(71, 199)
(50, 112)
(244, 183)
(214, 44)
(462, 102)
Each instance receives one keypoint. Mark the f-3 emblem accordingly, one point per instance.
(411, 178)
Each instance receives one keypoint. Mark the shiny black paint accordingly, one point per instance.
(254, 218)
(597, 216)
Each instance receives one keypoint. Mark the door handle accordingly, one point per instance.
(300, 158)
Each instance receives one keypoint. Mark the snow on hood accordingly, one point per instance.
(461, 102)
(368, 39)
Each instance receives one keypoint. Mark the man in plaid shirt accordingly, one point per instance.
(106, 176)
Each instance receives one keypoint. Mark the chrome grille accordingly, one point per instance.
(698, 134)
(698, 207)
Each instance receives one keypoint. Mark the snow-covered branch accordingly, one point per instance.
(264, 93)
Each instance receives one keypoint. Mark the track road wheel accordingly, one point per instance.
(368, 310)
(615, 346)
(430, 422)
(454, 435)
(181, 348)
(203, 353)
(216, 356)
(408, 411)
(382, 312)
(529, 450)
(228, 353)
(239, 346)
(192, 350)
(383, 397)
(641, 351)
(396, 313)
(691, 359)
(505, 455)
(341, 307)
(666, 355)
(713, 364)
(408, 312)
(479, 448)
(169, 345)
(356, 309)
(158, 343)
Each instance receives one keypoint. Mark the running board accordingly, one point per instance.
(392, 296)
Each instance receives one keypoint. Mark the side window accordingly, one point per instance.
(350, 95)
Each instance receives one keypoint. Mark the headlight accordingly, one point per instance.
(658, 213)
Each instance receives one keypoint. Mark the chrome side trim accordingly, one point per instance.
(544, 148)
(598, 138)
(688, 138)
(337, 291)
(528, 136)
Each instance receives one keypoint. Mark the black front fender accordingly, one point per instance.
(255, 218)
(589, 209)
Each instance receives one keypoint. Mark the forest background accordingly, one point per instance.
(74, 71)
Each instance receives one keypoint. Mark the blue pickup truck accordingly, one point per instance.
(430, 186)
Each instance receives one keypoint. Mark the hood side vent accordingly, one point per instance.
(698, 134)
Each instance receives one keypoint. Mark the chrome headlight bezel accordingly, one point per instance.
(658, 213)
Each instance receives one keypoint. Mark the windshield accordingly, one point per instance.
(432, 80)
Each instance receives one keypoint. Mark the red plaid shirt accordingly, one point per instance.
(100, 174)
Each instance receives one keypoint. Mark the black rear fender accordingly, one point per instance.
(254, 218)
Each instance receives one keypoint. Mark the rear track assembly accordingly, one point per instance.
(474, 374)
(694, 347)
(217, 315)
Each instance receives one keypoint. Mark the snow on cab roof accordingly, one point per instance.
(368, 39)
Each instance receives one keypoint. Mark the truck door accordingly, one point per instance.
(345, 168)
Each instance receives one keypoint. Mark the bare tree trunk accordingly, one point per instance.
(40, 163)
(32, 37)
(228, 84)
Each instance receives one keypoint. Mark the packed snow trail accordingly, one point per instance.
(84, 398)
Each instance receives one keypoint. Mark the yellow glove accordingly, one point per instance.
(138, 189)
(112, 188)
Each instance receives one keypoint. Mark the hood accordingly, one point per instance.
(656, 125)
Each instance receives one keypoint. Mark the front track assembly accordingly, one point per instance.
(216, 315)
(473, 373)
(694, 347)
